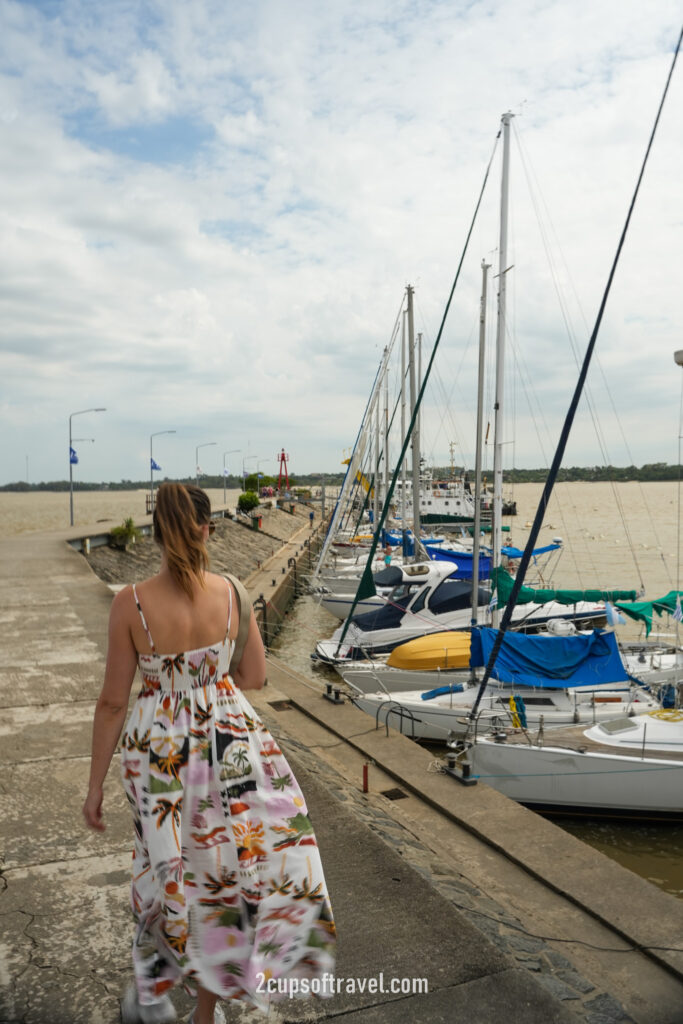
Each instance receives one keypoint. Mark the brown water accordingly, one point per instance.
(45, 510)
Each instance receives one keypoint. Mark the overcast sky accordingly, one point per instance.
(210, 211)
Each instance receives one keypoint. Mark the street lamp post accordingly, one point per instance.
(157, 433)
(231, 452)
(80, 412)
(248, 458)
(207, 444)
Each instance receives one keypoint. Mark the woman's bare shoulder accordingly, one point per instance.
(123, 606)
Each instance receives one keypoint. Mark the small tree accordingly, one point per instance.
(122, 536)
(247, 501)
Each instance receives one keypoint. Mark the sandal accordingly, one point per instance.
(218, 1016)
(133, 1012)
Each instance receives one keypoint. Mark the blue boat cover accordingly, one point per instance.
(463, 560)
(511, 552)
(550, 661)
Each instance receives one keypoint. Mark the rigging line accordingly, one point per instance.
(367, 586)
(566, 429)
(527, 384)
(528, 169)
(448, 397)
(604, 379)
(592, 408)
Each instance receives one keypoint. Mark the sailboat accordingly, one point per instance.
(623, 767)
(630, 766)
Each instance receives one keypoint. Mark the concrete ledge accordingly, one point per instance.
(642, 915)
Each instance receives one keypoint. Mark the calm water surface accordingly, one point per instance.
(45, 510)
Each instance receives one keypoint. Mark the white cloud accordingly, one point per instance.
(209, 214)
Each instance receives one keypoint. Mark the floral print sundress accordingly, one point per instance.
(228, 889)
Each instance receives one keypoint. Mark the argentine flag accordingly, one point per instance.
(678, 611)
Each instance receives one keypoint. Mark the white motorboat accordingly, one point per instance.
(439, 604)
(624, 767)
(394, 579)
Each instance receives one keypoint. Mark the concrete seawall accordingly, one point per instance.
(505, 916)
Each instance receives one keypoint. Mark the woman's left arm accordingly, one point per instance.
(112, 705)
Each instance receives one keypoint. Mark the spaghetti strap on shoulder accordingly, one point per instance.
(227, 630)
(144, 620)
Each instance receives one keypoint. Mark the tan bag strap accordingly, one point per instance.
(244, 611)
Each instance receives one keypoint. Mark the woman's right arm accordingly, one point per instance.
(112, 705)
(250, 674)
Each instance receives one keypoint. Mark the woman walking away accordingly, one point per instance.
(228, 892)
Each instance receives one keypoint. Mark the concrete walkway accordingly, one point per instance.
(65, 932)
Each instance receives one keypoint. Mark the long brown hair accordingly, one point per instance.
(180, 511)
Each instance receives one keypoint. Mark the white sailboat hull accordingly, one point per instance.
(442, 716)
(591, 783)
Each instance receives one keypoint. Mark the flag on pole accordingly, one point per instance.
(154, 465)
(226, 472)
(678, 611)
(200, 471)
(493, 603)
(613, 615)
(73, 458)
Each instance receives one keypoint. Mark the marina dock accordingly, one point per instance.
(479, 909)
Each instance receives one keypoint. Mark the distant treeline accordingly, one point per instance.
(650, 471)
(231, 482)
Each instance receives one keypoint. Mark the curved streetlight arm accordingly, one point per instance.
(207, 444)
(79, 412)
(157, 433)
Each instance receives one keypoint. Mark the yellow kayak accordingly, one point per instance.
(450, 649)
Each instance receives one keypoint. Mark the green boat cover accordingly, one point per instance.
(642, 611)
(503, 583)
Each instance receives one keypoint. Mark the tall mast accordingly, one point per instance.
(385, 440)
(404, 506)
(485, 267)
(375, 503)
(500, 353)
(416, 433)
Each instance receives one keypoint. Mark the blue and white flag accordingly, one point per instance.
(226, 472)
(154, 465)
(493, 603)
(73, 458)
(678, 611)
(613, 615)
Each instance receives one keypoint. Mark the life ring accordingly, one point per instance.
(668, 714)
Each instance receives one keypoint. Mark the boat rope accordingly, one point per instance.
(571, 336)
(528, 169)
(367, 587)
(566, 429)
